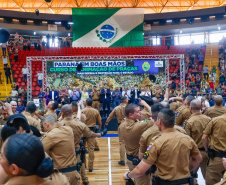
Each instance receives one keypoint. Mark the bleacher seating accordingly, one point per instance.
(69, 51)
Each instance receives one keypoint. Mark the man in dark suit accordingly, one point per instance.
(106, 99)
(135, 94)
(54, 95)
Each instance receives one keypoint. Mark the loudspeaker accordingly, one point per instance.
(67, 26)
(79, 67)
(191, 21)
(4, 35)
(152, 78)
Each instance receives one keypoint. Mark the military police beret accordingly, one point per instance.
(14, 117)
(148, 100)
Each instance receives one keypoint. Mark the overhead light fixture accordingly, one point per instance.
(69, 34)
(22, 9)
(180, 31)
(57, 22)
(143, 33)
(51, 10)
(34, 33)
(169, 21)
(37, 12)
(219, 28)
(70, 23)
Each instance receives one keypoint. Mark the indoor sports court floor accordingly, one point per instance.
(106, 168)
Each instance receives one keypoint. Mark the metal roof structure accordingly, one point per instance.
(65, 6)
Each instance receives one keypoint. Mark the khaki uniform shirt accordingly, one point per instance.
(182, 114)
(58, 143)
(92, 116)
(131, 132)
(157, 94)
(170, 152)
(145, 114)
(54, 179)
(223, 182)
(32, 121)
(215, 111)
(119, 112)
(82, 118)
(50, 113)
(175, 105)
(195, 126)
(150, 133)
(96, 95)
(180, 92)
(216, 129)
(79, 130)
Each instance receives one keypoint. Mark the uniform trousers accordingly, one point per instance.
(214, 171)
(73, 177)
(96, 104)
(95, 144)
(82, 170)
(202, 165)
(90, 144)
(142, 180)
(122, 149)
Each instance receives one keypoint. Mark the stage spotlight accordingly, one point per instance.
(48, 1)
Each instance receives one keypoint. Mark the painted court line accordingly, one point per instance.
(109, 160)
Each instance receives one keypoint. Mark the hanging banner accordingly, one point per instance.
(104, 67)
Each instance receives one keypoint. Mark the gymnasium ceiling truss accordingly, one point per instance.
(65, 6)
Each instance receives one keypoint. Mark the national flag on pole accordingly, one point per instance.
(118, 27)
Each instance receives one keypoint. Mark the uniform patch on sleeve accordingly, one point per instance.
(143, 121)
(43, 137)
(184, 124)
(177, 113)
(149, 147)
(146, 154)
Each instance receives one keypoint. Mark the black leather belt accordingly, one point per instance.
(202, 149)
(160, 181)
(69, 169)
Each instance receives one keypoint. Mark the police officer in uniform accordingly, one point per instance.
(25, 163)
(183, 113)
(92, 116)
(175, 154)
(178, 91)
(215, 132)
(96, 98)
(224, 177)
(29, 113)
(157, 92)
(51, 108)
(75, 112)
(218, 109)
(79, 130)
(131, 130)
(58, 142)
(153, 131)
(119, 112)
(194, 127)
(145, 114)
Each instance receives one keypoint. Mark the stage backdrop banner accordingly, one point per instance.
(108, 27)
(104, 67)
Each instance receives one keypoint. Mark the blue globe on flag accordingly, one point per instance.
(107, 31)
